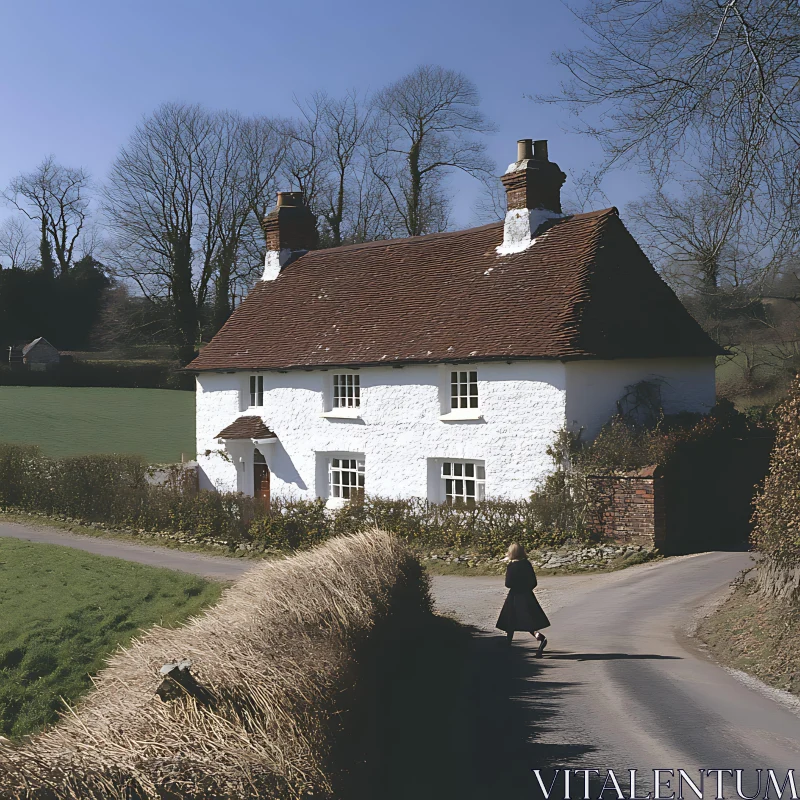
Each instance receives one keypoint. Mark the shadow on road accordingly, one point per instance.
(556, 656)
(458, 714)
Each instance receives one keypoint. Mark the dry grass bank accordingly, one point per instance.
(757, 634)
(274, 660)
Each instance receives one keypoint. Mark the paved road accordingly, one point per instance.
(220, 568)
(622, 686)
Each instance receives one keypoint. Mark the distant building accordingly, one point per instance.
(39, 354)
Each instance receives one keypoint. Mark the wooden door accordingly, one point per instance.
(260, 478)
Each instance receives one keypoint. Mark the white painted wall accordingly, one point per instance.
(399, 431)
(593, 387)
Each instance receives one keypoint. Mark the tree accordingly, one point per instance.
(57, 198)
(47, 263)
(16, 246)
(182, 201)
(425, 126)
(161, 241)
(247, 156)
(328, 160)
(698, 88)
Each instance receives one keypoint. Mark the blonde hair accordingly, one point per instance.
(515, 552)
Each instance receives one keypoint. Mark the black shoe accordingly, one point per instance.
(542, 645)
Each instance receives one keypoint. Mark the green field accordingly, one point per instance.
(64, 611)
(155, 423)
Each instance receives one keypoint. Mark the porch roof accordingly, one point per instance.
(246, 428)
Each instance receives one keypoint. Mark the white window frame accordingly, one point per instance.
(346, 391)
(463, 389)
(346, 476)
(460, 394)
(463, 482)
(255, 391)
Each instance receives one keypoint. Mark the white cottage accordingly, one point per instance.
(439, 366)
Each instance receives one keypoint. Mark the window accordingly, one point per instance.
(346, 391)
(463, 389)
(464, 482)
(256, 390)
(346, 477)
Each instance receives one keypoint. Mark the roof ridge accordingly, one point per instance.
(612, 210)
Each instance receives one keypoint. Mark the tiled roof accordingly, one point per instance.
(584, 289)
(246, 428)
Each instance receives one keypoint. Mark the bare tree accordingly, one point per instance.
(702, 87)
(328, 160)
(161, 239)
(57, 198)
(184, 203)
(17, 246)
(698, 245)
(425, 127)
(247, 154)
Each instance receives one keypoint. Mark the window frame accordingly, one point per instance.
(255, 395)
(462, 471)
(343, 491)
(464, 390)
(349, 385)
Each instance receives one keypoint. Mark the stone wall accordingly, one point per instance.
(629, 508)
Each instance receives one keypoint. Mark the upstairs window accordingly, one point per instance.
(463, 389)
(464, 482)
(346, 478)
(256, 390)
(346, 391)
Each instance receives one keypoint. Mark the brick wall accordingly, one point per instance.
(629, 508)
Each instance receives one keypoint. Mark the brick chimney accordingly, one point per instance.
(533, 190)
(291, 231)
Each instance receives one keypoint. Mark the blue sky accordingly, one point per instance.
(76, 77)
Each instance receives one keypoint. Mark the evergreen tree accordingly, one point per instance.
(48, 263)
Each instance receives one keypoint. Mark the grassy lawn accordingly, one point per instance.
(64, 611)
(155, 423)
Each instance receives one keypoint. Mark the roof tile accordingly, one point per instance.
(583, 289)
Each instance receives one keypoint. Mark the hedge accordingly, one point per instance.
(98, 374)
(114, 490)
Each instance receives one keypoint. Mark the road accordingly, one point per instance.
(621, 686)
(219, 568)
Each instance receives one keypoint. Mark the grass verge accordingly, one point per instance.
(64, 612)
(756, 635)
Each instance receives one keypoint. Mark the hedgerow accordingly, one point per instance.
(777, 510)
(115, 490)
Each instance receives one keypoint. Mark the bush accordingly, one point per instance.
(114, 489)
(777, 514)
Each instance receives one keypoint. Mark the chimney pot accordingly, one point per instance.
(540, 150)
(524, 149)
(290, 199)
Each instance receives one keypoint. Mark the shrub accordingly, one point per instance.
(777, 513)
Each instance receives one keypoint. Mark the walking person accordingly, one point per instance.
(521, 610)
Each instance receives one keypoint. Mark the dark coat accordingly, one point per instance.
(521, 610)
